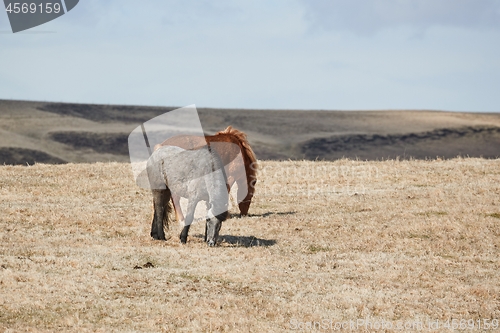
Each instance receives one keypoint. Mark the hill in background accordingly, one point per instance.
(64, 132)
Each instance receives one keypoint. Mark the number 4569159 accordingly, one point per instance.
(33, 8)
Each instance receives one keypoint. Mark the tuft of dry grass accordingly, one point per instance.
(344, 240)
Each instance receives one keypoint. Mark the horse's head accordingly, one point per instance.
(214, 223)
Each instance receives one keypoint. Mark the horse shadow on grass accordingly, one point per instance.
(243, 241)
(248, 241)
(263, 214)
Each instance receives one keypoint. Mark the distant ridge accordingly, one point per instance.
(47, 132)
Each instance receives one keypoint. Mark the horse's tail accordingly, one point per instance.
(247, 151)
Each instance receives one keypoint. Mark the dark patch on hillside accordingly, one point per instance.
(105, 113)
(110, 143)
(22, 156)
(267, 152)
(479, 141)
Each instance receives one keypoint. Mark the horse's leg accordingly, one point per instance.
(161, 200)
(188, 220)
(184, 234)
(208, 206)
(230, 182)
(177, 207)
(244, 205)
(206, 227)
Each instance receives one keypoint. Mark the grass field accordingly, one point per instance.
(399, 241)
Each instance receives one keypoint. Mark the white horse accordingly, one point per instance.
(193, 174)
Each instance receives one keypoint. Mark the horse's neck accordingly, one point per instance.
(217, 189)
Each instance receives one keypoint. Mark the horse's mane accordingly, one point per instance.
(247, 150)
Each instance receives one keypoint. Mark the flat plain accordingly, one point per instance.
(399, 241)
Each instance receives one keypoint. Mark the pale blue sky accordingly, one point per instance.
(299, 54)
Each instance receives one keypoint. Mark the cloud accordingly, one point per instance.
(236, 53)
(366, 17)
(147, 16)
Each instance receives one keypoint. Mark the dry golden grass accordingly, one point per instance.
(391, 240)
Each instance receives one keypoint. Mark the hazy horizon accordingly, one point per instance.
(250, 109)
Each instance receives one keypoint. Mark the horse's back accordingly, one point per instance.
(188, 142)
(228, 144)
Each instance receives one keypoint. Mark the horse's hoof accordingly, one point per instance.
(211, 243)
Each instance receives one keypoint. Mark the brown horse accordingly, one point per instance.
(227, 153)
